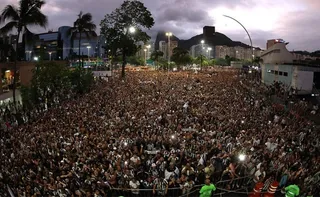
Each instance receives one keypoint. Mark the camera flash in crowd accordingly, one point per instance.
(125, 143)
(242, 121)
(125, 163)
(242, 157)
(172, 137)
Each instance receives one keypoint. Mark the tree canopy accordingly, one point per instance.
(181, 56)
(123, 29)
(83, 24)
(28, 13)
(53, 82)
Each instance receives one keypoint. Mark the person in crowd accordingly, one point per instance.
(157, 131)
(207, 189)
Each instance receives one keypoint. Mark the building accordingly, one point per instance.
(164, 48)
(223, 51)
(58, 45)
(88, 43)
(202, 49)
(272, 42)
(173, 45)
(241, 53)
(278, 66)
(7, 46)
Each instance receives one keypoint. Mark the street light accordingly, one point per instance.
(245, 30)
(202, 42)
(50, 55)
(88, 47)
(148, 48)
(145, 56)
(132, 30)
(209, 52)
(169, 34)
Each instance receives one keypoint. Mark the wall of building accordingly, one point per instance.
(25, 70)
(290, 75)
(281, 73)
(303, 82)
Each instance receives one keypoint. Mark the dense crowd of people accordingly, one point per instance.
(159, 131)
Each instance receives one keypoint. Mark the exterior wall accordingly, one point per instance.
(66, 41)
(290, 75)
(25, 70)
(277, 54)
(163, 47)
(281, 73)
(92, 42)
(303, 82)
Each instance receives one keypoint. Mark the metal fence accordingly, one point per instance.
(240, 186)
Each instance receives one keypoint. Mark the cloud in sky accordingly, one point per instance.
(293, 20)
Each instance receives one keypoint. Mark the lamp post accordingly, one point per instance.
(50, 55)
(202, 42)
(132, 30)
(145, 56)
(88, 47)
(246, 32)
(148, 50)
(169, 34)
(209, 52)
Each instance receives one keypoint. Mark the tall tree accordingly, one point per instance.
(83, 24)
(155, 55)
(181, 56)
(28, 13)
(123, 29)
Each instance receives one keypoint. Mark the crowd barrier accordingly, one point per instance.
(240, 186)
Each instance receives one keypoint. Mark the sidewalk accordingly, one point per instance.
(7, 96)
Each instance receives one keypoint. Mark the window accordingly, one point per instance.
(272, 71)
(285, 74)
(276, 72)
(280, 73)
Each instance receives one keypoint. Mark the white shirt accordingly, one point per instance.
(259, 173)
(135, 185)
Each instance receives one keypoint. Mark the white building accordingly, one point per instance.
(278, 66)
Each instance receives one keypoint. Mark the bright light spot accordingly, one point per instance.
(7, 71)
(36, 58)
(242, 121)
(125, 143)
(172, 136)
(132, 29)
(125, 163)
(242, 157)
(114, 148)
(88, 47)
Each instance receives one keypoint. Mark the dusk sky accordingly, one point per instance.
(295, 21)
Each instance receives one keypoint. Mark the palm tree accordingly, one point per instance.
(84, 24)
(28, 13)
